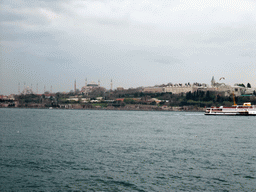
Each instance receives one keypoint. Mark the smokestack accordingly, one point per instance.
(111, 85)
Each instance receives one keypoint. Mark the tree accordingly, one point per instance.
(241, 85)
(188, 95)
(219, 99)
(248, 85)
(129, 101)
(207, 96)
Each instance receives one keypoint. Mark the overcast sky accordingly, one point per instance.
(134, 42)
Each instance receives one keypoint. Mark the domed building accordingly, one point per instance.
(27, 90)
(90, 87)
(93, 84)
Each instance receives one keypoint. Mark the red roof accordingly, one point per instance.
(120, 99)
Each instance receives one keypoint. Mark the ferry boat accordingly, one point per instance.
(246, 110)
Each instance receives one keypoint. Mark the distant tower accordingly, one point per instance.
(75, 87)
(37, 88)
(98, 82)
(111, 85)
(19, 88)
(86, 82)
(213, 82)
(31, 88)
(51, 88)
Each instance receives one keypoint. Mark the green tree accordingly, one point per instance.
(241, 85)
(189, 95)
(129, 101)
(207, 96)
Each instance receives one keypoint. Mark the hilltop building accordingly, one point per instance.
(91, 87)
(120, 89)
(227, 90)
(220, 88)
(27, 90)
(153, 89)
(177, 88)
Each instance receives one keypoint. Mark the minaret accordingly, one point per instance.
(98, 82)
(51, 88)
(37, 88)
(75, 87)
(213, 82)
(111, 85)
(85, 82)
(31, 88)
(19, 88)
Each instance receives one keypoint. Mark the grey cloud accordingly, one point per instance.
(4, 17)
(128, 40)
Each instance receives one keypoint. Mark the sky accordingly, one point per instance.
(133, 42)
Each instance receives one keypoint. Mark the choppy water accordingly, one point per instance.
(83, 150)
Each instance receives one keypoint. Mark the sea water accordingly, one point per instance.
(99, 150)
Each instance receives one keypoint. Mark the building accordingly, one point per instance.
(227, 90)
(179, 88)
(27, 90)
(90, 87)
(120, 89)
(153, 89)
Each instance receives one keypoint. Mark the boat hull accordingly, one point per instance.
(231, 114)
(239, 110)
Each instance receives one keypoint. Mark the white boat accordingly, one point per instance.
(246, 110)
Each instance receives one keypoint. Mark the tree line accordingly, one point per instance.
(198, 98)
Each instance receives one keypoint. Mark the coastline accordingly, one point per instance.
(123, 108)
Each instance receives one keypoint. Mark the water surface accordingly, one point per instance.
(90, 150)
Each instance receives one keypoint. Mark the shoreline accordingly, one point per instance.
(173, 109)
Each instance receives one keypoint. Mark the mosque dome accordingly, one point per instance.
(92, 84)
